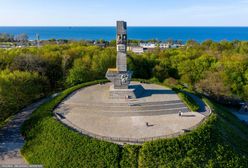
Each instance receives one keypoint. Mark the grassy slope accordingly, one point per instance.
(231, 128)
(50, 143)
(222, 141)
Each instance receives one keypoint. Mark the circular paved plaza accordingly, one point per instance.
(153, 114)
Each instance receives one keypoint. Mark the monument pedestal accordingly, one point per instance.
(120, 88)
(121, 93)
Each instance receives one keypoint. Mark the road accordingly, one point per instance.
(11, 140)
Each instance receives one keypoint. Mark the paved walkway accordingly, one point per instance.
(241, 116)
(204, 109)
(11, 140)
(154, 114)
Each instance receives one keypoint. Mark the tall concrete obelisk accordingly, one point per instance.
(120, 76)
(121, 42)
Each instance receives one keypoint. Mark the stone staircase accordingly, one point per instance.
(131, 108)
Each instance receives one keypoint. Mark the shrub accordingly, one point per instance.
(81, 72)
(17, 89)
(189, 101)
(130, 156)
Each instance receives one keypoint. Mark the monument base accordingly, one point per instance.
(133, 92)
(121, 80)
(121, 93)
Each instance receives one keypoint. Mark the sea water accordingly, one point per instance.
(140, 33)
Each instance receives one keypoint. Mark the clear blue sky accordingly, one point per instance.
(135, 12)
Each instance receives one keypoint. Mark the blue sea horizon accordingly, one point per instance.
(162, 33)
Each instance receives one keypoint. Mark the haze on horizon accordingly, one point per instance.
(136, 13)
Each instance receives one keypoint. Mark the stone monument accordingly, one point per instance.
(120, 76)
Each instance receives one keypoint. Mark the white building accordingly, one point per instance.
(160, 45)
(136, 49)
(150, 46)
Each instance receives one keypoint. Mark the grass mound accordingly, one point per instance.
(221, 141)
(204, 147)
(50, 143)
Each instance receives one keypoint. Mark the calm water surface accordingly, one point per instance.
(142, 33)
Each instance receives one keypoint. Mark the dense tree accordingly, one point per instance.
(21, 37)
(219, 70)
(213, 85)
(31, 63)
(162, 70)
(4, 37)
(141, 66)
(80, 72)
(17, 89)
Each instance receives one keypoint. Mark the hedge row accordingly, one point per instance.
(189, 101)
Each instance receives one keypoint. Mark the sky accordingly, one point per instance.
(135, 12)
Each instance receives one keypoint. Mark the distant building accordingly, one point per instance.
(176, 46)
(160, 45)
(143, 47)
(136, 49)
(148, 45)
(4, 46)
(164, 45)
(102, 45)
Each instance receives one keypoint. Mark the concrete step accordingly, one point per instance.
(127, 108)
(127, 112)
(144, 113)
(155, 103)
(127, 104)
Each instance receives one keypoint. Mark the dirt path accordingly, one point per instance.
(11, 140)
